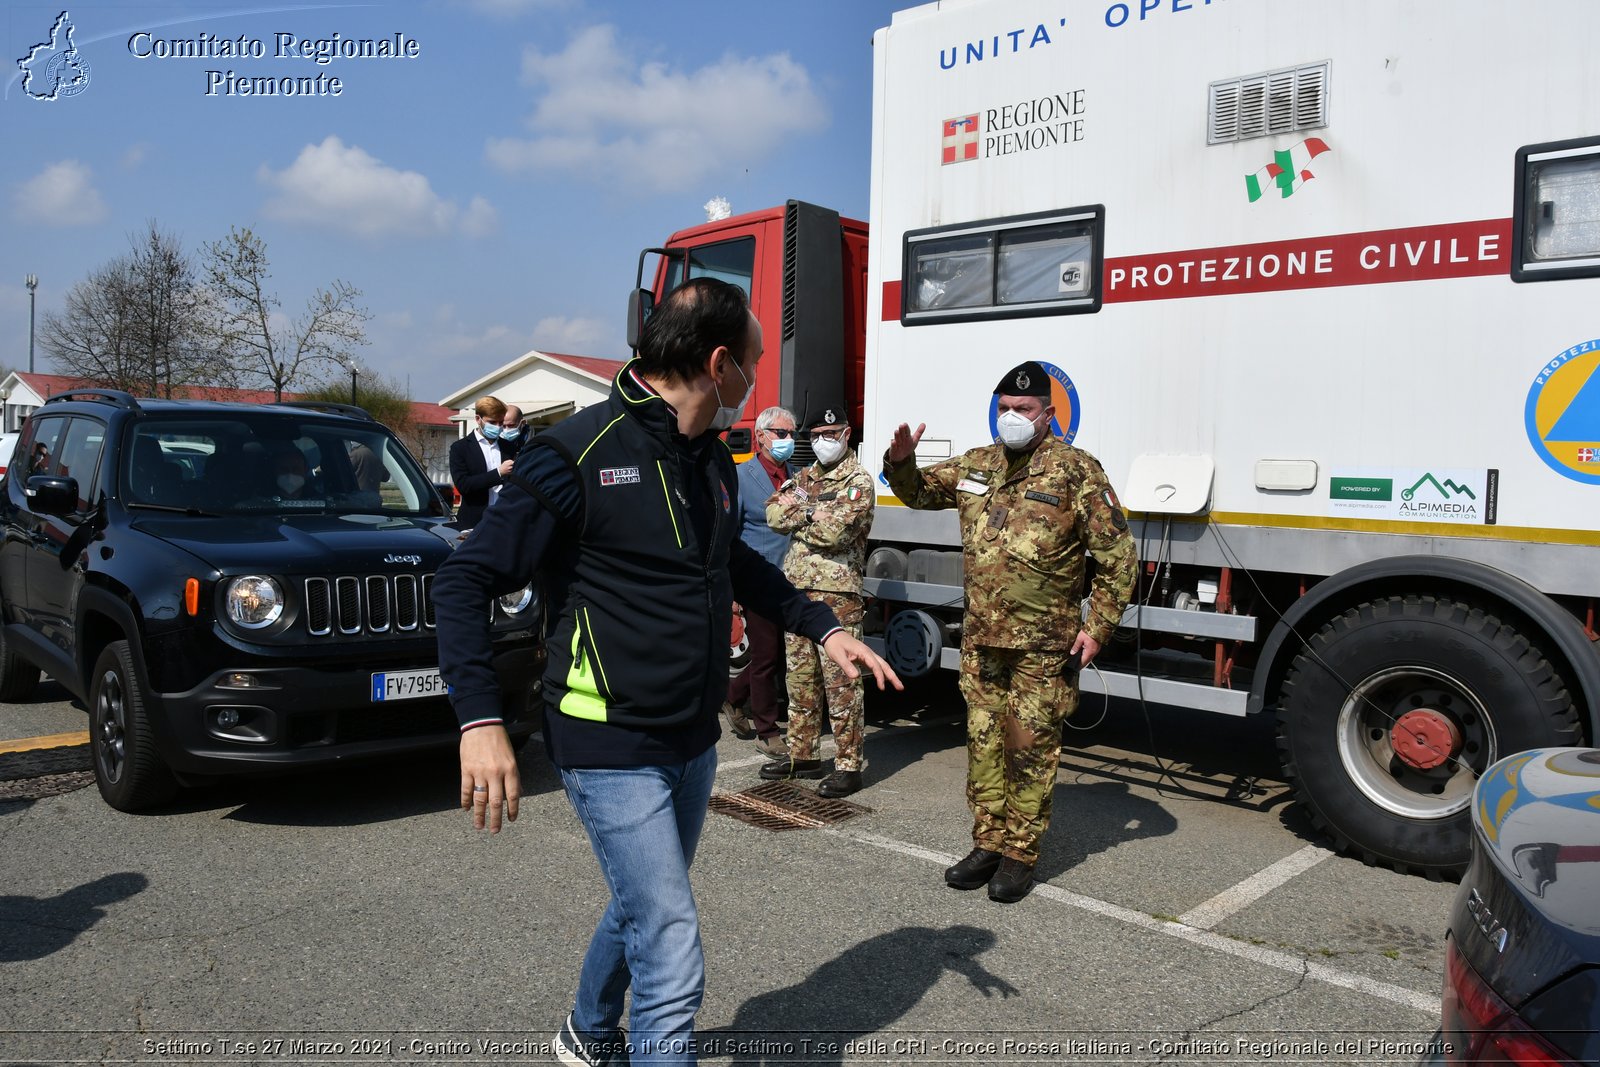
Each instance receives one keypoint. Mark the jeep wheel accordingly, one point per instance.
(18, 677)
(130, 775)
(1393, 711)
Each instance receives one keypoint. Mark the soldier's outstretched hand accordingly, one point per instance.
(904, 444)
(846, 651)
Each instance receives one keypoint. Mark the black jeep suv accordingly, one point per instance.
(232, 587)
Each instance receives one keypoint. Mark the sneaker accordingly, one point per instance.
(974, 871)
(576, 1050)
(738, 722)
(773, 746)
(789, 767)
(840, 784)
(1011, 882)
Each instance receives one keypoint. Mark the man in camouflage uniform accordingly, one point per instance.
(827, 510)
(1032, 509)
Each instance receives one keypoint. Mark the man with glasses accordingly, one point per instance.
(761, 684)
(827, 510)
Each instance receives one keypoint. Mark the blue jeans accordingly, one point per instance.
(644, 824)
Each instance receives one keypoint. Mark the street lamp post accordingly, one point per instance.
(354, 366)
(33, 287)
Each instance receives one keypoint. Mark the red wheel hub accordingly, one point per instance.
(1424, 738)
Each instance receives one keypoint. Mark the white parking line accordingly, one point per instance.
(1281, 961)
(1237, 898)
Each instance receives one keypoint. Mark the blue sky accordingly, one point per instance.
(489, 195)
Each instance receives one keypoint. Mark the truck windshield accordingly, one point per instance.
(277, 462)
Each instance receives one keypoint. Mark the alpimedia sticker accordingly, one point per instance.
(1420, 494)
(1562, 413)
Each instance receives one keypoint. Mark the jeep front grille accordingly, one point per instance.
(376, 604)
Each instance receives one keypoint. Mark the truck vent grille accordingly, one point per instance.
(791, 255)
(1279, 101)
(376, 604)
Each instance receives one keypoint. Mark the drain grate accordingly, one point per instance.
(784, 806)
(45, 785)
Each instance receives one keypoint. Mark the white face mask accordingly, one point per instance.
(828, 451)
(727, 416)
(290, 483)
(1016, 429)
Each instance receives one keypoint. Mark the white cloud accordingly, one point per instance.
(342, 187)
(511, 8)
(604, 114)
(135, 155)
(63, 194)
(575, 336)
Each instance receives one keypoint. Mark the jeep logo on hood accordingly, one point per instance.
(415, 561)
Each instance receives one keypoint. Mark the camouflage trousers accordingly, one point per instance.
(1016, 703)
(818, 685)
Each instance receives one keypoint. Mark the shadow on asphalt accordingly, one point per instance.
(36, 927)
(801, 1022)
(359, 795)
(1108, 747)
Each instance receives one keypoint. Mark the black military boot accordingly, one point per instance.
(973, 871)
(780, 769)
(840, 784)
(1011, 882)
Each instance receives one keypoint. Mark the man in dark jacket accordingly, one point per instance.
(477, 464)
(627, 513)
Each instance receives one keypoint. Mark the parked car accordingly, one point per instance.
(1522, 967)
(8, 445)
(232, 588)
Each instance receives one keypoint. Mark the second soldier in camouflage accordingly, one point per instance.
(827, 511)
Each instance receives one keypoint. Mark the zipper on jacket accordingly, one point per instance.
(666, 491)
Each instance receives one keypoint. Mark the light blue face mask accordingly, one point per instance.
(782, 449)
(491, 431)
(511, 434)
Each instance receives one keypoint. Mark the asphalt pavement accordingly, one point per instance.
(1186, 914)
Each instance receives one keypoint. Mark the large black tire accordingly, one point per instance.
(18, 677)
(130, 774)
(1452, 663)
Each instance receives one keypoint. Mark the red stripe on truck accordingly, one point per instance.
(1417, 253)
(1376, 257)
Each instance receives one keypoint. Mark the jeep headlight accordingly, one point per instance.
(254, 601)
(516, 603)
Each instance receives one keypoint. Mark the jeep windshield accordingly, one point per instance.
(271, 462)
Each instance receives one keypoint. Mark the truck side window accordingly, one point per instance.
(1555, 228)
(731, 261)
(1040, 264)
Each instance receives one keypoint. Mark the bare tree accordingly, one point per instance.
(333, 323)
(137, 323)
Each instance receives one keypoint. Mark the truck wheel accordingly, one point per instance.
(1393, 711)
(18, 677)
(130, 775)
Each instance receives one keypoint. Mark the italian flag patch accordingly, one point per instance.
(853, 493)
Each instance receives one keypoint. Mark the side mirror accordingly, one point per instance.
(640, 303)
(49, 494)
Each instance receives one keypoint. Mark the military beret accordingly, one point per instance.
(1025, 379)
(827, 413)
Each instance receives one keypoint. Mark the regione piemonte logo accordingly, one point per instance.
(960, 139)
(54, 69)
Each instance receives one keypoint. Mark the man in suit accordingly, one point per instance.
(477, 465)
